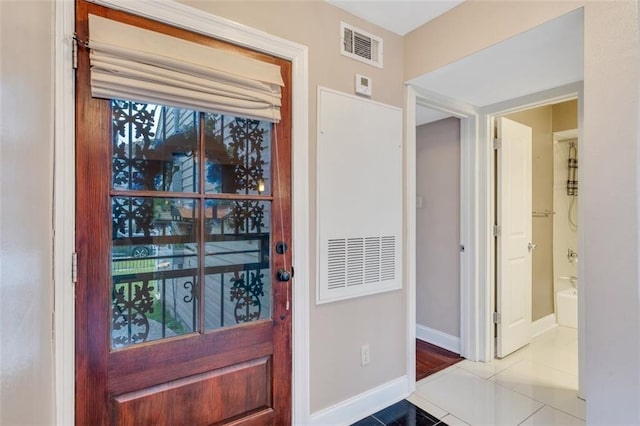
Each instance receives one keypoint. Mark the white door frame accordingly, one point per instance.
(477, 278)
(195, 20)
(487, 115)
(472, 309)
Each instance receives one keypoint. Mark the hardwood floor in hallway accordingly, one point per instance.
(431, 358)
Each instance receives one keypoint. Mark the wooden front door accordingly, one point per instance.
(182, 315)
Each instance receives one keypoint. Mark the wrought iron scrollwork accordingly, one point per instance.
(188, 285)
(247, 295)
(145, 148)
(130, 306)
(247, 216)
(155, 149)
(133, 135)
(246, 148)
(132, 216)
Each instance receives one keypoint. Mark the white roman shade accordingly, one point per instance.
(129, 62)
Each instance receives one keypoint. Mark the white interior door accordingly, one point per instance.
(514, 245)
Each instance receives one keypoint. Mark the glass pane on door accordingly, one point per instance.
(237, 268)
(154, 147)
(238, 155)
(160, 249)
(154, 268)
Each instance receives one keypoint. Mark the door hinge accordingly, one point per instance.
(497, 143)
(497, 317)
(74, 267)
(497, 230)
(74, 53)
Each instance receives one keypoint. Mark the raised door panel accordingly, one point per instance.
(514, 255)
(230, 393)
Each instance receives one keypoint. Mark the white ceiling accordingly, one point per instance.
(398, 16)
(545, 57)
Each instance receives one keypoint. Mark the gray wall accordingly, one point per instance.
(438, 226)
(26, 146)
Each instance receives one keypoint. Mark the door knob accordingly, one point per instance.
(532, 246)
(284, 275)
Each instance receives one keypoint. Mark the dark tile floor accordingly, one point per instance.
(402, 413)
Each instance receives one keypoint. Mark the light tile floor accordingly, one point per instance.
(536, 385)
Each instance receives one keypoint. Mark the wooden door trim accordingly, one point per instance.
(93, 353)
(64, 180)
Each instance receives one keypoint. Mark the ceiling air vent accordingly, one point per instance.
(361, 45)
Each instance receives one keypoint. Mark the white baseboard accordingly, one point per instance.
(360, 406)
(438, 338)
(543, 324)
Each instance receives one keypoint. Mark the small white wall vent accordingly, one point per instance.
(360, 45)
(359, 177)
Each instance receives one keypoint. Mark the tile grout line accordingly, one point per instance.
(552, 367)
(532, 414)
(543, 403)
(562, 410)
(378, 420)
(431, 403)
(532, 398)
(519, 364)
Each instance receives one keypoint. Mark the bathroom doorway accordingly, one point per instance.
(551, 249)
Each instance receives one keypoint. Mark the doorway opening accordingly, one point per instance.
(438, 246)
(484, 96)
(554, 203)
(536, 228)
(460, 119)
(481, 338)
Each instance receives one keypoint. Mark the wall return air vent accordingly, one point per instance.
(358, 261)
(360, 45)
(359, 197)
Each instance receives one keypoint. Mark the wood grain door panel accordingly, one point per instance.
(216, 396)
(130, 369)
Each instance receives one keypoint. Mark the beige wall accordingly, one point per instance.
(438, 226)
(473, 26)
(565, 116)
(26, 146)
(565, 237)
(540, 121)
(339, 329)
(609, 155)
